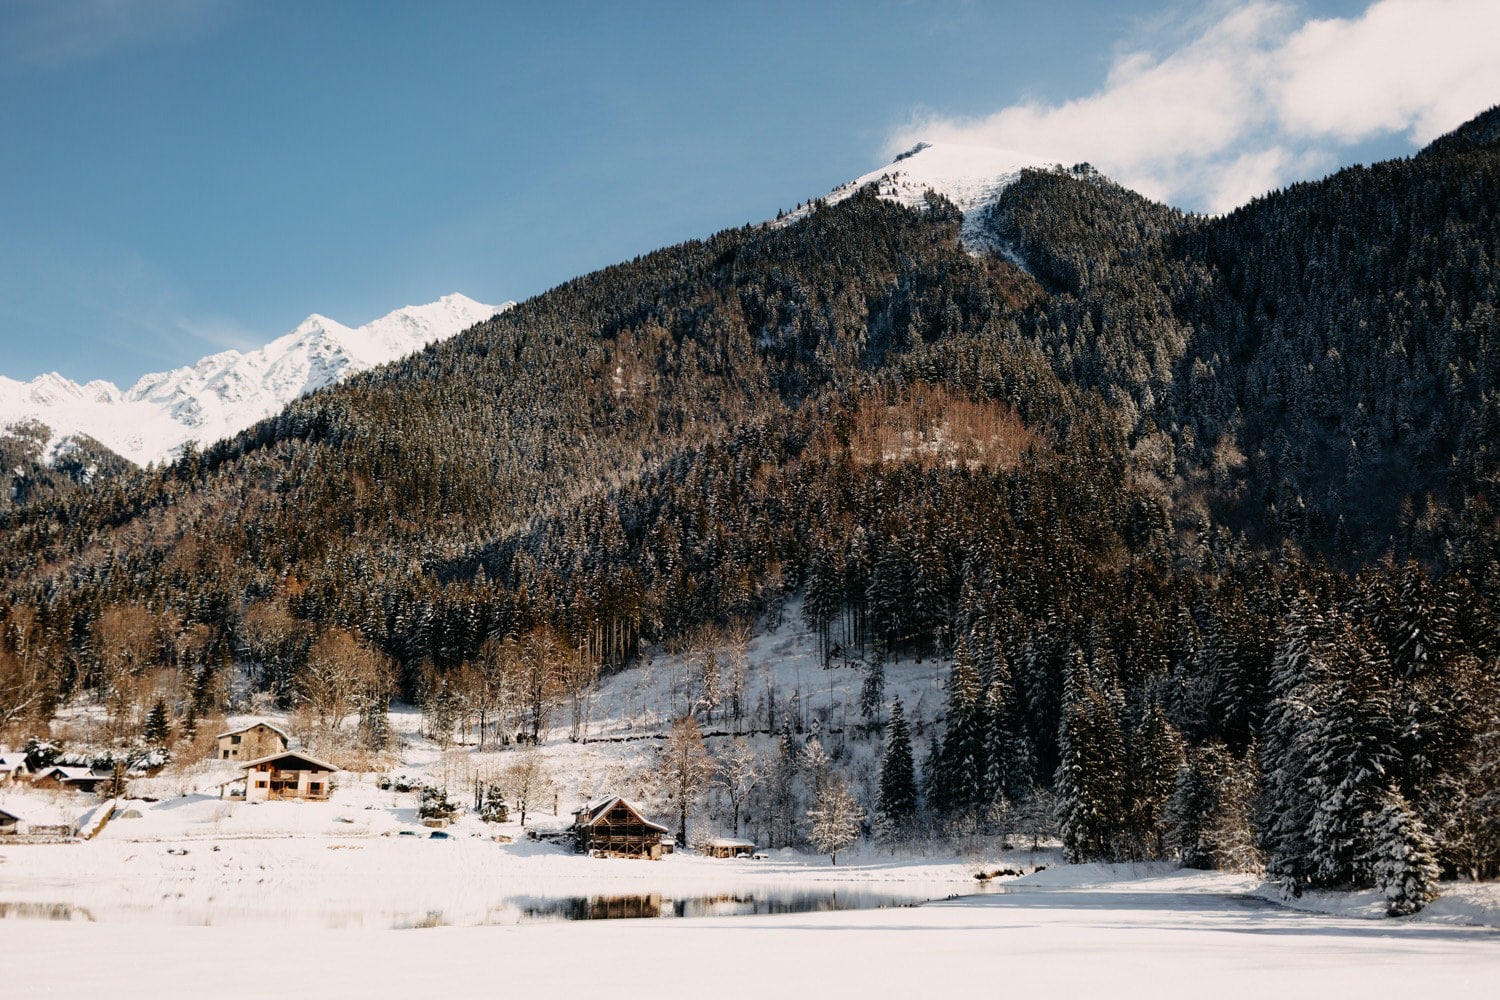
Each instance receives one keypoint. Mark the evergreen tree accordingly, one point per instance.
(1092, 778)
(1351, 760)
(872, 692)
(1299, 689)
(896, 804)
(960, 784)
(1156, 760)
(158, 729)
(1402, 858)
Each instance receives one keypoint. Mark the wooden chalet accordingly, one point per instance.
(288, 775)
(252, 742)
(614, 827)
(728, 847)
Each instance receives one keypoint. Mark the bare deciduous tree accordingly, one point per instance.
(579, 676)
(836, 819)
(686, 769)
(737, 771)
(339, 666)
(127, 638)
(526, 779)
(540, 656)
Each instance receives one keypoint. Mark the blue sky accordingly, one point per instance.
(182, 176)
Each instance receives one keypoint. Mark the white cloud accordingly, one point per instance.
(1417, 66)
(1258, 98)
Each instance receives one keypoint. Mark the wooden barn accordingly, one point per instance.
(616, 828)
(288, 775)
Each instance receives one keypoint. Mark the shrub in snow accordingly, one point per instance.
(489, 802)
(434, 804)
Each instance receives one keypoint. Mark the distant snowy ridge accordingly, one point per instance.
(971, 177)
(225, 393)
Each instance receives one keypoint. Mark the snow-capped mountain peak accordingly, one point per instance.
(971, 177)
(222, 394)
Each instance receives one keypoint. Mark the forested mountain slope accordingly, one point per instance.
(1184, 500)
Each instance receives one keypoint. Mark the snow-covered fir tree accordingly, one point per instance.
(1402, 858)
(896, 804)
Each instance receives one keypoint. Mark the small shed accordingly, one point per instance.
(614, 827)
(728, 847)
(258, 739)
(288, 775)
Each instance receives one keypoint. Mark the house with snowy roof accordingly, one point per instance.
(13, 767)
(252, 741)
(69, 779)
(614, 827)
(10, 824)
(288, 775)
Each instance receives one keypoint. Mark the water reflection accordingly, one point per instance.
(535, 907)
(728, 904)
(44, 911)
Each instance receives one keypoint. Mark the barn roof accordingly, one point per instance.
(592, 812)
(62, 773)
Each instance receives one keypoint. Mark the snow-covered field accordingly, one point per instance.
(1069, 932)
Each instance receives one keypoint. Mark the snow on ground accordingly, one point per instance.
(1158, 936)
(353, 898)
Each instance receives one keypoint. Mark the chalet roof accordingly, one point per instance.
(251, 725)
(12, 762)
(7, 814)
(305, 762)
(592, 812)
(64, 773)
(730, 842)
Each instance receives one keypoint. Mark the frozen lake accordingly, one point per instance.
(390, 917)
(1053, 942)
(534, 906)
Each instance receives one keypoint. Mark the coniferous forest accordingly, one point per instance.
(1202, 511)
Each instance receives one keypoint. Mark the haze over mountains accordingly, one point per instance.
(224, 393)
